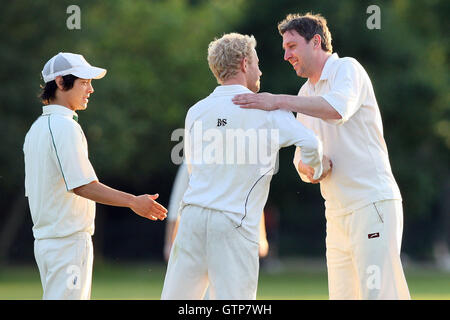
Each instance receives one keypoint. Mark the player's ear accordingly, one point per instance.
(244, 64)
(59, 82)
(317, 41)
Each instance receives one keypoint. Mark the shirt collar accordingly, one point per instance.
(326, 68)
(231, 89)
(61, 110)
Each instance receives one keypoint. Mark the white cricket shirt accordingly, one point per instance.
(355, 144)
(231, 155)
(56, 162)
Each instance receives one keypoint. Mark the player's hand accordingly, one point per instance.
(326, 171)
(264, 101)
(263, 248)
(146, 206)
(305, 170)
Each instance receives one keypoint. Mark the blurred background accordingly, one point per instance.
(155, 53)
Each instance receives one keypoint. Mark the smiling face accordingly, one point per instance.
(299, 53)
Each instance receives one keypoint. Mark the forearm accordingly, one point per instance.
(98, 192)
(316, 107)
(171, 233)
(262, 228)
(171, 230)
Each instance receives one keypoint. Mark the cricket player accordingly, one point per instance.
(217, 240)
(362, 200)
(61, 184)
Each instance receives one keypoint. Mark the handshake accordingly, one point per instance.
(309, 171)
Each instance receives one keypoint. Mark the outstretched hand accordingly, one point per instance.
(263, 101)
(146, 206)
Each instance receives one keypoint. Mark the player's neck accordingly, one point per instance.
(319, 67)
(237, 80)
(61, 101)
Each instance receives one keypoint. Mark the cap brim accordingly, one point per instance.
(89, 72)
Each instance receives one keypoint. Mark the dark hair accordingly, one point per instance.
(49, 89)
(307, 26)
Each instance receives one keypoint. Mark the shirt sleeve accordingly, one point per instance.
(296, 161)
(71, 153)
(292, 132)
(345, 92)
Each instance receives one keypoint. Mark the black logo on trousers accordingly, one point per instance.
(373, 235)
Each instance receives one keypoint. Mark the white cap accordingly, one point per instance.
(65, 63)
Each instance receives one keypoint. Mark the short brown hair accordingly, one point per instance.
(48, 90)
(225, 54)
(307, 26)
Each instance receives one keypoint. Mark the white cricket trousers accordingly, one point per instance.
(210, 250)
(65, 266)
(363, 253)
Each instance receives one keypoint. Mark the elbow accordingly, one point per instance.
(329, 112)
(78, 191)
(84, 190)
(335, 118)
(333, 115)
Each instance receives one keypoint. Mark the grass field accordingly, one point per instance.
(294, 281)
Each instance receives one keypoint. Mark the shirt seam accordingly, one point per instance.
(248, 196)
(56, 152)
